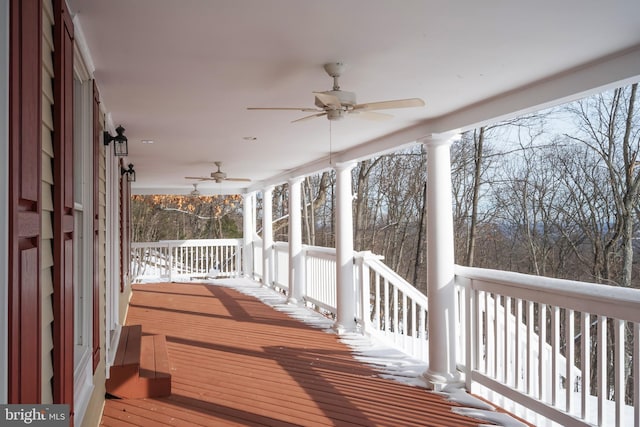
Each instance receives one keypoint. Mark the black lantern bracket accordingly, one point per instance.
(131, 173)
(120, 148)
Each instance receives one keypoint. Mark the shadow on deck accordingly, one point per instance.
(237, 361)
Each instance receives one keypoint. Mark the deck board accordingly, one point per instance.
(236, 361)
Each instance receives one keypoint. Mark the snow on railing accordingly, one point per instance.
(185, 259)
(591, 331)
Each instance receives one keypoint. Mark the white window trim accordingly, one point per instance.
(83, 134)
(4, 197)
(112, 262)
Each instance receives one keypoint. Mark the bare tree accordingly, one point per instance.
(608, 125)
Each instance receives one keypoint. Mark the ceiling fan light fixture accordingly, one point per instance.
(195, 192)
(335, 114)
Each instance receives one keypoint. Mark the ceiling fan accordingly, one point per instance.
(195, 192)
(336, 103)
(217, 176)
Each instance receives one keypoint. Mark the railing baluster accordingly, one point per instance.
(506, 374)
(585, 363)
(555, 350)
(404, 332)
(386, 305)
(636, 374)
(542, 346)
(518, 346)
(602, 367)
(471, 337)
(496, 336)
(485, 330)
(569, 357)
(414, 329)
(619, 383)
(530, 349)
(376, 312)
(423, 325)
(395, 311)
(461, 302)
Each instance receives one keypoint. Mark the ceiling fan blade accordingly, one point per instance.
(238, 179)
(201, 178)
(284, 108)
(328, 100)
(309, 117)
(388, 105)
(371, 115)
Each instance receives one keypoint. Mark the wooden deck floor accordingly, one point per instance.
(236, 361)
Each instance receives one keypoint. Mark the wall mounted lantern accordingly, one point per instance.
(131, 174)
(120, 147)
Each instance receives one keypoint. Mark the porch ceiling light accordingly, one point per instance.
(120, 148)
(131, 173)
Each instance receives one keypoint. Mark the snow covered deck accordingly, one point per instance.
(241, 356)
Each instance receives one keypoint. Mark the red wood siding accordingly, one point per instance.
(63, 307)
(25, 143)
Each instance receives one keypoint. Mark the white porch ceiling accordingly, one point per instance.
(182, 72)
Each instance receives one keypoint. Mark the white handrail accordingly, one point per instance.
(600, 299)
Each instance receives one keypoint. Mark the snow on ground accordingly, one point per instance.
(389, 362)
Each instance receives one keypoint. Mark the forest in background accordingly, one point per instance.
(553, 193)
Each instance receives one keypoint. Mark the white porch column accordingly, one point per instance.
(267, 236)
(297, 285)
(440, 264)
(248, 230)
(346, 292)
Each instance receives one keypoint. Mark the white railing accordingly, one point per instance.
(590, 331)
(585, 370)
(257, 259)
(184, 259)
(320, 273)
(281, 266)
(390, 307)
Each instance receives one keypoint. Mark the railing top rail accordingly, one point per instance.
(319, 250)
(202, 242)
(375, 262)
(188, 243)
(605, 300)
(136, 245)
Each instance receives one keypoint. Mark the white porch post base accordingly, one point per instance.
(346, 293)
(297, 284)
(437, 382)
(440, 264)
